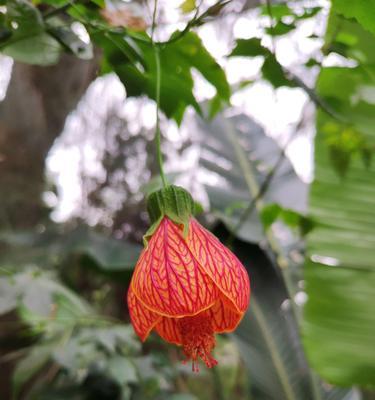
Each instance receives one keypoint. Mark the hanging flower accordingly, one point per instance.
(187, 286)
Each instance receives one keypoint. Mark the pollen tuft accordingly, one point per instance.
(198, 340)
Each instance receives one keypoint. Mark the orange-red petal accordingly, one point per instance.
(168, 279)
(220, 264)
(142, 318)
(168, 329)
(222, 316)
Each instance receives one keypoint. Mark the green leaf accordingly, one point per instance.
(51, 247)
(271, 69)
(114, 338)
(96, 345)
(249, 48)
(27, 40)
(267, 340)
(338, 321)
(281, 28)
(110, 254)
(26, 17)
(272, 212)
(349, 39)
(345, 142)
(176, 61)
(312, 62)
(269, 348)
(362, 10)
(40, 49)
(279, 10)
(195, 55)
(122, 370)
(40, 298)
(274, 73)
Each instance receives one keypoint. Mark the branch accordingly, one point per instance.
(197, 20)
(314, 97)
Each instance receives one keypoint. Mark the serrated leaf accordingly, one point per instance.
(176, 61)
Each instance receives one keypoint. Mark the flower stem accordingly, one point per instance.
(157, 128)
(157, 98)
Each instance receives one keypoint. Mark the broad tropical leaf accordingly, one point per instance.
(339, 322)
(237, 153)
(269, 346)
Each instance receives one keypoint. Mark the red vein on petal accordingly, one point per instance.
(220, 264)
(168, 330)
(143, 319)
(168, 279)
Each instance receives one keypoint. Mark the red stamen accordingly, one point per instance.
(198, 340)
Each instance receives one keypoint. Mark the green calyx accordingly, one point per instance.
(173, 202)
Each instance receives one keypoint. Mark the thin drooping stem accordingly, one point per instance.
(157, 98)
(157, 128)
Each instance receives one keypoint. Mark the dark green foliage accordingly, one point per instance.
(280, 28)
(135, 62)
(272, 70)
(273, 212)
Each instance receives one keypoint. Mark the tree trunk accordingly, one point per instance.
(31, 117)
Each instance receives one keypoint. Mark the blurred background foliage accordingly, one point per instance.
(77, 158)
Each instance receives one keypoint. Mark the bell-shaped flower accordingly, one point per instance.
(187, 286)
